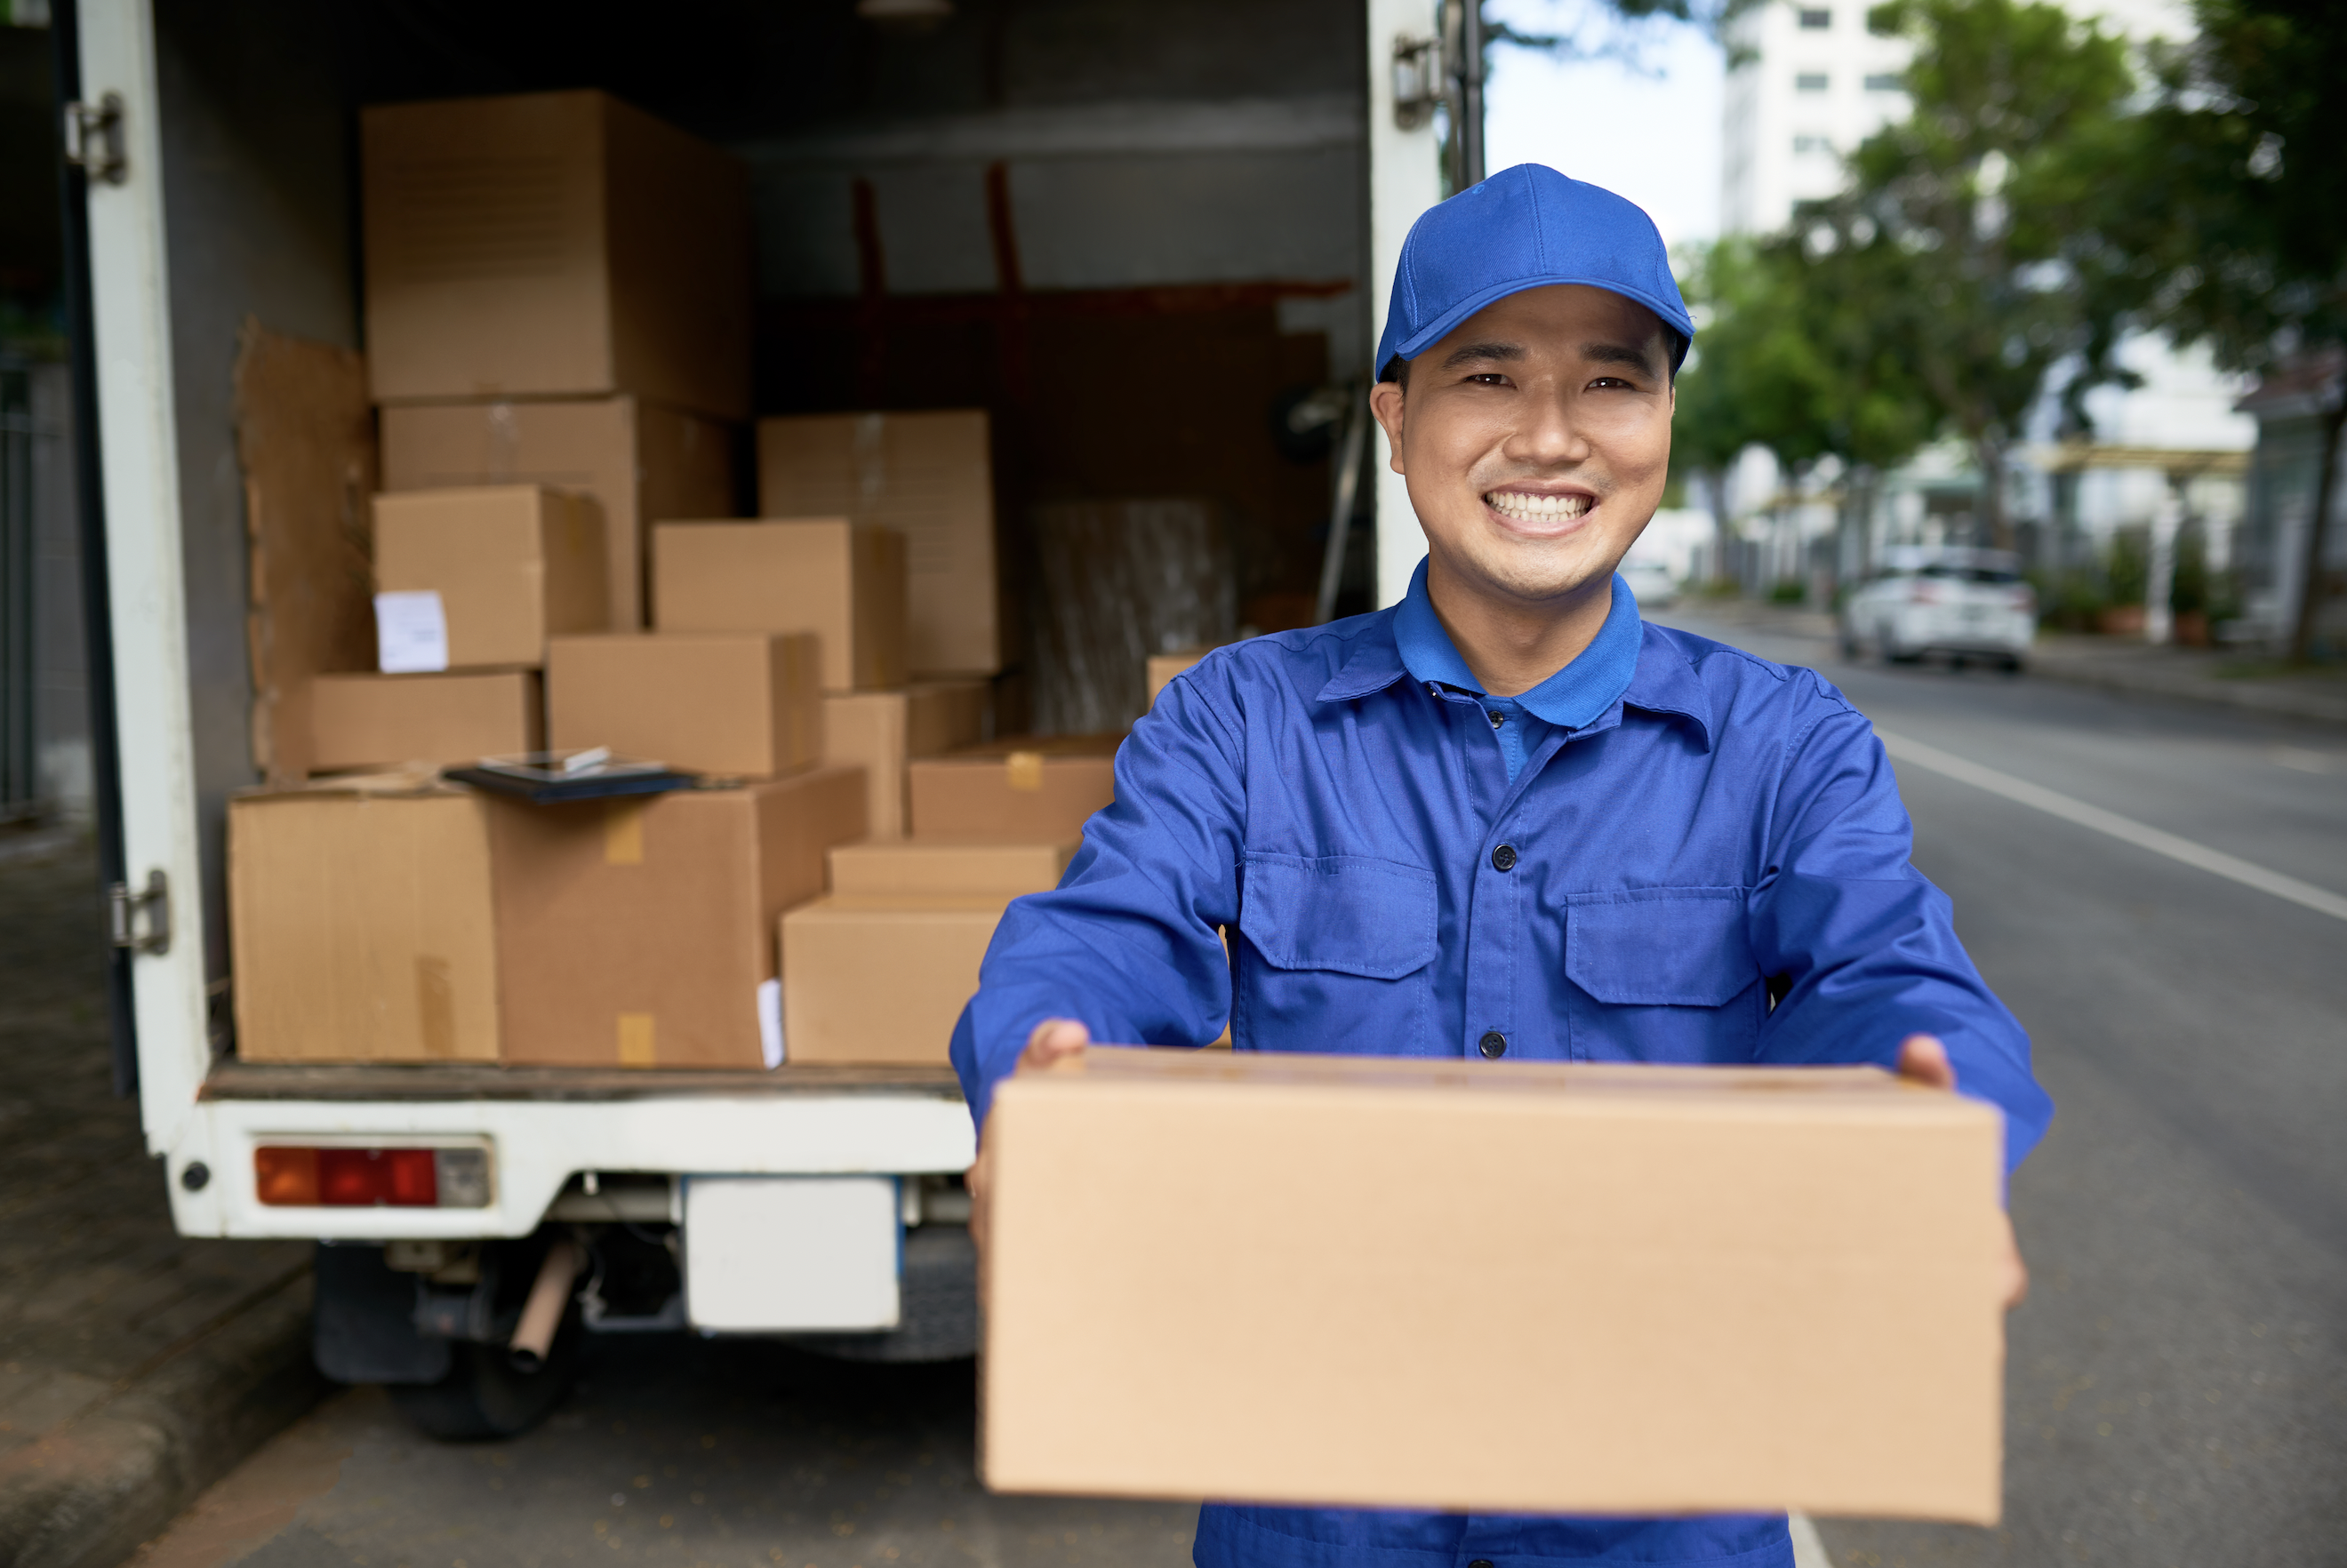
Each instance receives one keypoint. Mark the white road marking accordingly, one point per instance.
(2126, 829)
(1809, 1552)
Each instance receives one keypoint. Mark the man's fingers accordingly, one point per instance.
(2015, 1288)
(1055, 1039)
(1923, 1060)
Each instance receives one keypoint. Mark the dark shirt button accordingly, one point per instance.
(1480, 1562)
(1493, 1044)
(1505, 858)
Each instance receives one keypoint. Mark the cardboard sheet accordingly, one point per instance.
(1494, 1287)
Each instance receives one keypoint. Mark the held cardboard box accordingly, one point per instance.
(641, 461)
(361, 918)
(868, 979)
(1028, 789)
(745, 705)
(1547, 1287)
(553, 244)
(377, 720)
(930, 476)
(883, 731)
(640, 932)
(513, 565)
(918, 870)
(843, 581)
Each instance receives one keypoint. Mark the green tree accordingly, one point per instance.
(1962, 208)
(2218, 215)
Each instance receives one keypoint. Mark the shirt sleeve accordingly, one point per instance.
(1862, 946)
(1129, 943)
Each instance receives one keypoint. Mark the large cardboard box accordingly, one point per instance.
(918, 870)
(641, 461)
(513, 565)
(377, 720)
(639, 932)
(843, 581)
(869, 980)
(883, 731)
(1493, 1287)
(361, 922)
(748, 704)
(553, 244)
(930, 476)
(1028, 789)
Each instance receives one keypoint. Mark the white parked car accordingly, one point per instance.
(1960, 603)
(1650, 583)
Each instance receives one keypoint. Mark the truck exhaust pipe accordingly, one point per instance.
(541, 1314)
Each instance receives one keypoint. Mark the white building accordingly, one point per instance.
(1808, 82)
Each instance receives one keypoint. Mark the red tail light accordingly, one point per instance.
(286, 1176)
(1923, 592)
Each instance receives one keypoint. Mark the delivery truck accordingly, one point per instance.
(1136, 236)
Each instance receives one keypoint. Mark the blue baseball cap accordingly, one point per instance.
(1524, 228)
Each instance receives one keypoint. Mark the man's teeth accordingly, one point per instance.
(1536, 508)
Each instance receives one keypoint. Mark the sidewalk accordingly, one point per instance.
(2120, 664)
(136, 1366)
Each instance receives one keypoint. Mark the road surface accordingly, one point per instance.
(2177, 1382)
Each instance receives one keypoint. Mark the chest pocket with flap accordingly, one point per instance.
(1671, 947)
(1351, 914)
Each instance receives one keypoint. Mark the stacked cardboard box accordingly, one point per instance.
(470, 585)
(559, 290)
(879, 971)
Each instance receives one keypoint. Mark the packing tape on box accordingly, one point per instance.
(1025, 770)
(623, 833)
(635, 1040)
(435, 1005)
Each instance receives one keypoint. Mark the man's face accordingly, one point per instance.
(1536, 439)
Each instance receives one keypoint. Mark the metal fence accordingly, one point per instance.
(19, 749)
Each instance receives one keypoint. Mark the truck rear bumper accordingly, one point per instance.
(543, 1126)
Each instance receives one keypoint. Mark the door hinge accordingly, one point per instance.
(140, 921)
(94, 139)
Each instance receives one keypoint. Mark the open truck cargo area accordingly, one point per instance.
(410, 326)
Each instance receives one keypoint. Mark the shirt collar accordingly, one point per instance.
(1574, 697)
(1664, 681)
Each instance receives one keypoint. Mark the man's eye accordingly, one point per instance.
(1489, 378)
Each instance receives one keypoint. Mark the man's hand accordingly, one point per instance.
(1923, 1060)
(1055, 1040)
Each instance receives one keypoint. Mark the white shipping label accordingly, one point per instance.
(770, 1022)
(411, 632)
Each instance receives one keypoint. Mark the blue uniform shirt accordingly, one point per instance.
(1717, 832)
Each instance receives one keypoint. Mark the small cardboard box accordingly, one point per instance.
(378, 721)
(881, 979)
(843, 581)
(361, 919)
(922, 869)
(1547, 1287)
(930, 476)
(638, 932)
(555, 245)
(513, 565)
(883, 731)
(1029, 789)
(1164, 667)
(639, 460)
(746, 704)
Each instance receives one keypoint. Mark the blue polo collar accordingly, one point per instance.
(1629, 663)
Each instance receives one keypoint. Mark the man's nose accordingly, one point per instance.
(1549, 435)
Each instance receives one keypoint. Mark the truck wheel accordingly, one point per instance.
(485, 1397)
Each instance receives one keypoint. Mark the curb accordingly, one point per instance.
(90, 1491)
(2310, 707)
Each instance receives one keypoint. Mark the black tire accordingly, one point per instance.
(485, 1398)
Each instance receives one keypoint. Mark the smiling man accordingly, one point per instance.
(1505, 818)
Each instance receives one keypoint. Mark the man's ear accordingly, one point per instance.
(1386, 403)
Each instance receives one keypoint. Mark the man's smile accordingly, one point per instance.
(1538, 507)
